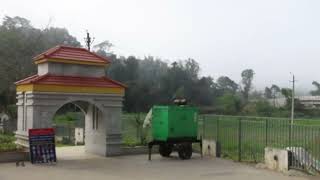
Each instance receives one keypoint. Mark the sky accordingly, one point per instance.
(272, 37)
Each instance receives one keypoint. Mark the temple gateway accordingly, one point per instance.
(77, 76)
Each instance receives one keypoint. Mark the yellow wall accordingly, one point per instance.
(68, 89)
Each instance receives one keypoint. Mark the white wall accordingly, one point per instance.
(70, 69)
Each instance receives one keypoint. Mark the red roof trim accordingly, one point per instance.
(116, 82)
(46, 53)
(50, 52)
(26, 79)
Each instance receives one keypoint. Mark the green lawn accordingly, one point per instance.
(312, 122)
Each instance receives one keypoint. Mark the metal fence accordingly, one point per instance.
(245, 138)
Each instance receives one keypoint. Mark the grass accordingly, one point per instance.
(307, 122)
(132, 132)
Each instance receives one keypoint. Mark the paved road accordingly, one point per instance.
(89, 167)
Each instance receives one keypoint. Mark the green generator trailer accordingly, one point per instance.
(174, 128)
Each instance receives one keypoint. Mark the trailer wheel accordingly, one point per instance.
(185, 151)
(165, 149)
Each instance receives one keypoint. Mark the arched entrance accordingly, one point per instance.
(69, 124)
(78, 115)
(72, 75)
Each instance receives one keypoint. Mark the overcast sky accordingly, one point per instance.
(273, 37)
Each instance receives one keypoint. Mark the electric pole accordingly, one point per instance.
(88, 41)
(292, 99)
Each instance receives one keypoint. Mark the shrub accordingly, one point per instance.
(130, 141)
(6, 138)
(7, 142)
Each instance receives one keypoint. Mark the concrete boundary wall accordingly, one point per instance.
(6, 157)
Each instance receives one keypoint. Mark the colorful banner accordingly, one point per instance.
(42, 146)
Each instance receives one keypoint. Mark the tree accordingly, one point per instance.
(204, 92)
(225, 84)
(267, 93)
(263, 108)
(180, 93)
(317, 91)
(229, 104)
(15, 22)
(247, 77)
(192, 68)
(103, 48)
(275, 90)
(19, 42)
(132, 68)
(287, 93)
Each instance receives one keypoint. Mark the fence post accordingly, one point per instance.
(203, 126)
(267, 132)
(290, 133)
(218, 128)
(239, 140)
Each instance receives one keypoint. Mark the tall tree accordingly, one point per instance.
(287, 93)
(317, 91)
(267, 93)
(247, 77)
(19, 42)
(192, 68)
(275, 90)
(229, 104)
(226, 85)
(103, 48)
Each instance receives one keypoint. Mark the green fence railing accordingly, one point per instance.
(245, 138)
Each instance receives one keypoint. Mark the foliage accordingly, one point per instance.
(130, 141)
(19, 42)
(229, 104)
(247, 77)
(180, 93)
(135, 121)
(6, 138)
(103, 46)
(66, 119)
(317, 91)
(150, 80)
(267, 93)
(275, 90)
(287, 93)
(7, 142)
(264, 108)
(226, 85)
(273, 93)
